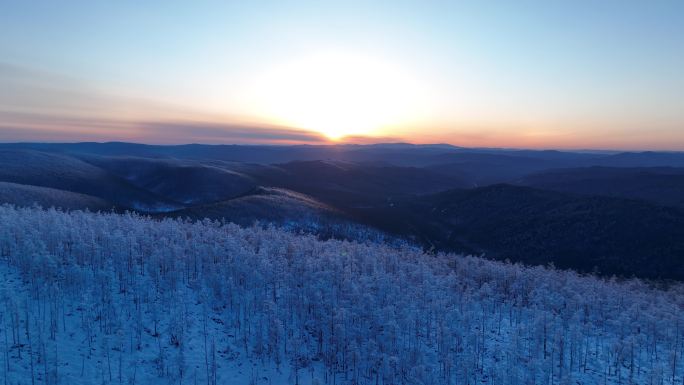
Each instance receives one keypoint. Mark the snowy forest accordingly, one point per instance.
(109, 298)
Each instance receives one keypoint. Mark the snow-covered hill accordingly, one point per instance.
(104, 298)
(26, 195)
(64, 172)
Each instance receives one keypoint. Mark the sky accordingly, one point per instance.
(528, 74)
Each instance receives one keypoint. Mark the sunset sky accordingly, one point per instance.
(535, 74)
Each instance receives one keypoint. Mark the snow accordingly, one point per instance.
(91, 298)
(71, 359)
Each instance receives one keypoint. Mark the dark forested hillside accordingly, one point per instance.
(607, 235)
(661, 185)
(348, 184)
(187, 182)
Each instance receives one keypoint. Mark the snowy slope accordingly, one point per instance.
(104, 298)
(67, 173)
(25, 195)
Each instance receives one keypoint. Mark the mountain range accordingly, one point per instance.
(613, 213)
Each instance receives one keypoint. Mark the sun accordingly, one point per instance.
(339, 95)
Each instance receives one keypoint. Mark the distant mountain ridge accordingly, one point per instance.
(413, 154)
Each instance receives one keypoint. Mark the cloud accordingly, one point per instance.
(41, 106)
(45, 128)
(181, 132)
(14, 134)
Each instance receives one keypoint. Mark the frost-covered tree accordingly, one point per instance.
(110, 298)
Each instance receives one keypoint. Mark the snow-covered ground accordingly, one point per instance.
(120, 299)
(79, 355)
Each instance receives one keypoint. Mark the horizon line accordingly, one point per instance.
(342, 143)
